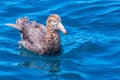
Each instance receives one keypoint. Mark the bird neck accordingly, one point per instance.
(52, 34)
(52, 40)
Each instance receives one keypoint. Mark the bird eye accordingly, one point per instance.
(54, 22)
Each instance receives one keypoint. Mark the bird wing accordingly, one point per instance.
(33, 32)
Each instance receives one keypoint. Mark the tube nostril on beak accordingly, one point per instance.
(61, 28)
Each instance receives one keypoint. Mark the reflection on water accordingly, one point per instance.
(49, 64)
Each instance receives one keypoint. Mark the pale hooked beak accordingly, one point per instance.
(61, 28)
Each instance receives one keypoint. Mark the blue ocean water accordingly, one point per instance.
(90, 50)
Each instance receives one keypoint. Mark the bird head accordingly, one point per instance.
(54, 22)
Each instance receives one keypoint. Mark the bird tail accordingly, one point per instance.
(18, 23)
(13, 25)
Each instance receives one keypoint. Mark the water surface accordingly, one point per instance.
(90, 50)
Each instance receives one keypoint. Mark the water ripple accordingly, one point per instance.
(90, 50)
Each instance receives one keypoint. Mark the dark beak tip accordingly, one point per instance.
(65, 33)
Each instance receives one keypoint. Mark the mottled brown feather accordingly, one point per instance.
(38, 38)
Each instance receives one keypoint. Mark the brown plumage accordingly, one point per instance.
(38, 38)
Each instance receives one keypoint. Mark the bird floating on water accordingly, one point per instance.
(38, 38)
